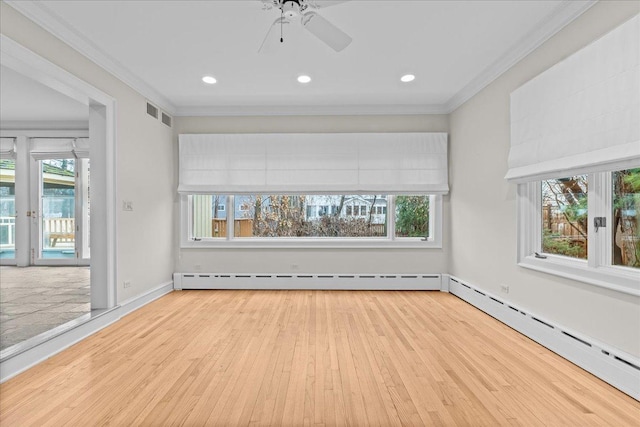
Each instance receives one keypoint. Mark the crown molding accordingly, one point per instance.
(39, 13)
(550, 25)
(309, 110)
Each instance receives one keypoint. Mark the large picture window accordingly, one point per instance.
(216, 220)
(312, 189)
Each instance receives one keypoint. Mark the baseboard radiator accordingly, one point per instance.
(613, 366)
(308, 281)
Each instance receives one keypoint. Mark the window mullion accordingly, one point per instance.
(391, 217)
(597, 206)
(231, 217)
(529, 219)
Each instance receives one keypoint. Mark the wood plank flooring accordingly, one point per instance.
(295, 358)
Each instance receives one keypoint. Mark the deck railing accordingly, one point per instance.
(55, 230)
(58, 230)
(7, 231)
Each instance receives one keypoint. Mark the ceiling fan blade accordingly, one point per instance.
(321, 4)
(326, 31)
(273, 33)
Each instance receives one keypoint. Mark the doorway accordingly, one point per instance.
(57, 204)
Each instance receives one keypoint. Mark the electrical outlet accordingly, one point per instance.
(126, 283)
(197, 267)
(504, 288)
(295, 266)
(127, 205)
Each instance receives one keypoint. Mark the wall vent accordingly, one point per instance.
(166, 119)
(616, 367)
(307, 281)
(152, 110)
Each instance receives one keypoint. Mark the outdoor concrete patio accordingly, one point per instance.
(37, 299)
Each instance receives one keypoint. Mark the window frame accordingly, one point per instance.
(597, 269)
(390, 241)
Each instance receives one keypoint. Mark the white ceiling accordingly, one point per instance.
(163, 48)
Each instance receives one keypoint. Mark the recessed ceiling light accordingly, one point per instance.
(304, 79)
(209, 80)
(407, 78)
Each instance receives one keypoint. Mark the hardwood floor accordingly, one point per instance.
(293, 358)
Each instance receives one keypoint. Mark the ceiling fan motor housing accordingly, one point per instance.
(290, 9)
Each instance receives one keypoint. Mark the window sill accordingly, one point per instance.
(618, 279)
(246, 243)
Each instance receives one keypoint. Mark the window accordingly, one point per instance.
(310, 220)
(626, 218)
(208, 216)
(575, 156)
(584, 227)
(412, 216)
(275, 196)
(564, 216)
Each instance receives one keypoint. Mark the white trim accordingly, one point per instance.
(322, 281)
(42, 133)
(444, 283)
(47, 19)
(619, 279)
(309, 110)
(566, 12)
(607, 363)
(14, 365)
(310, 243)
(549, 26)
(23, 125)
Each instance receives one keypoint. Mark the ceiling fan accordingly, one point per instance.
(304, 11)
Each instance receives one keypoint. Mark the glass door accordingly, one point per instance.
(7, 210)
(61, 219)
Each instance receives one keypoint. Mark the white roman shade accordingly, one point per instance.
(7, 148)
(581, 115)
(328, 163)
(48, 148)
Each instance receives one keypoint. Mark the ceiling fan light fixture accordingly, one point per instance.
(210, 80)
(304, 79)
(407, 78)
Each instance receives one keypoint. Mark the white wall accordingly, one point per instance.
(144, 164)
(483, 205)
(315, 260)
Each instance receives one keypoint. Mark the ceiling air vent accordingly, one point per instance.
(166, 119)
(152, 110)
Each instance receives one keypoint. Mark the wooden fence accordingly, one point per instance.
(555, 223)
(241, 227)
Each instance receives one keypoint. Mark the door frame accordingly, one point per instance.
(102, 133)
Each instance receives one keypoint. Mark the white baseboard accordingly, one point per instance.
(342, 281)
(22, 361)
(613, 366)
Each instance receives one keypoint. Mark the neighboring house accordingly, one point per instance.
(352, 207)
